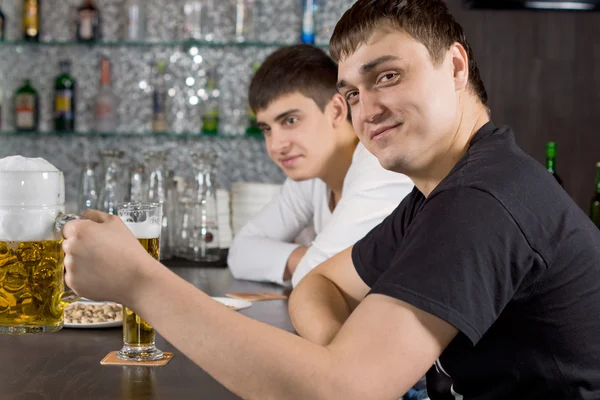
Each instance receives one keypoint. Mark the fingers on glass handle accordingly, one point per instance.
(62, 219)
(68, 297)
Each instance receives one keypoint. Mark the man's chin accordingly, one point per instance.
(297, 175)
(391, 162)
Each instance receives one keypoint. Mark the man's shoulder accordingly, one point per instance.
(496, 164)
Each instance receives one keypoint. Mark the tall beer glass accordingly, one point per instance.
(32, 292)
(144, 220)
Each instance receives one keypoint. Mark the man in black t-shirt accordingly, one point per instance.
(488, 270)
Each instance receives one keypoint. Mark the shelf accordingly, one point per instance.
(121, 43)
(171, 135)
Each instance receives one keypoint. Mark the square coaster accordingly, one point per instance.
(257, 296)
(112, 359)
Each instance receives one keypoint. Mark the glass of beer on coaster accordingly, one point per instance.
(144, 221)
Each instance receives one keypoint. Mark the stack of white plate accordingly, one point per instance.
(247, 199)
(224, 218)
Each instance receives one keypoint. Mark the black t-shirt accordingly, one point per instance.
(502, 253)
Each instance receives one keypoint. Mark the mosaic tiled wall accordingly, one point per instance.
(242, 159)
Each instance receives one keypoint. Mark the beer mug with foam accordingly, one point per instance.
(32, 293)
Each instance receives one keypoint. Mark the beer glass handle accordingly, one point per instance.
(68, 296)
(62, 219)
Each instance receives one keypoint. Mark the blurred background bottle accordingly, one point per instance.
(245, 20)
(309, 8)
(210, 105)
(159, 99)
(64, 99)
(551, 161)
(135, 25)
(252, 123)
(105, 109)
(199, 19)
(26, 108)
(595, 203)
(2, 27)
(31, 20)
(88, 22)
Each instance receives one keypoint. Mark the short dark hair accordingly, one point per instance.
(300, 68)
(427, 21)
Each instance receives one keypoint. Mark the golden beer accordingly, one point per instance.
(136, 331)
(31, 285)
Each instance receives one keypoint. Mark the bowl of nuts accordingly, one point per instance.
(91, 314)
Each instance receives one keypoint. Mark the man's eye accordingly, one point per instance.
(266, 131)
(388, 77)
(351, 95)
(290, 120)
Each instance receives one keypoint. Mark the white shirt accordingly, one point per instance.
(260, 250)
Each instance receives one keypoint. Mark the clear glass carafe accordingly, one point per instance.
(158, 181)
(199, 236)
(112, 188)
(87, 196)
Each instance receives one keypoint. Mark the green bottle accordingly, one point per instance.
(253, 129)
(64, 99)
(551, 161)
(595, 203)
(26, 108)
(210, 115)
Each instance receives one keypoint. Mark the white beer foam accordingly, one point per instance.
(32, 193)
(143, 230)
(24, 164)
(30, 182)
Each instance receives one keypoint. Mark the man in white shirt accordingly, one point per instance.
(334, 186)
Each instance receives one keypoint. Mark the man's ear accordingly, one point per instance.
(338, 110)
(460, 66)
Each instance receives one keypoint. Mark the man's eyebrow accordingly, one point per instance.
(368, 67)
(285, 114)
(341, 84)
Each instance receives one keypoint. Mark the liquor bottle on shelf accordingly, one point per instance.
(595, 203)
(245, 20)
(105, 109)
(199, 22)
(135, 24)
(551, 161)
(309, 8)
(2, 26)
(31, 20)
(1, 107)
(64, 99)
(210, 111)
(253, 129)
(26, 108)
(159, 99)
(88, 22)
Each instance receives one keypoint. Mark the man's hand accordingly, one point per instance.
(103, 259)
(293, 261)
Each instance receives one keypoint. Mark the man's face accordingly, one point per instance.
(298, 136)
(404, 109)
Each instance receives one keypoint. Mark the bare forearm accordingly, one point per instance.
(318, 309)
(252, 359)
